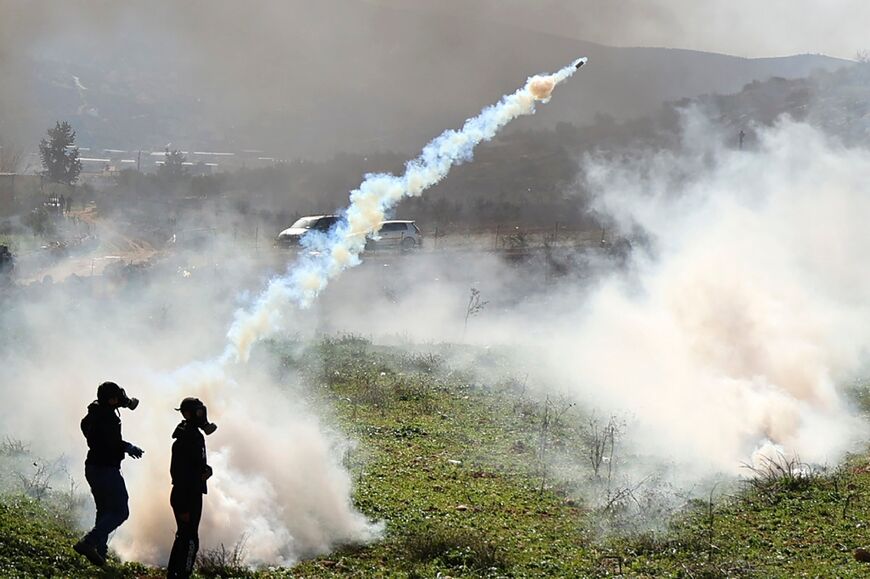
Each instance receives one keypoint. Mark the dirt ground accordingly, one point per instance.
(87, 244)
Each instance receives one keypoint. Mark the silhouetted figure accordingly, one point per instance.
(7, 263)
(741, 138)
(190, 472)
(61, 204)
(69, 202)
(106, 448)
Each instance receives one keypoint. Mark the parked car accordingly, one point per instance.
(404, 235)
(292, 236)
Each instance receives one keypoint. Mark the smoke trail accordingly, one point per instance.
(369, 203)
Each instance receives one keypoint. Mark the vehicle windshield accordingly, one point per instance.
(305, 223)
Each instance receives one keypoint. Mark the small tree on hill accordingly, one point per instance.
(173, 168)
(60, 156)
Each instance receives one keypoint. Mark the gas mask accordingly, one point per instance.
(108, 390)
(198, 414)
(202, 420)
(127, 402)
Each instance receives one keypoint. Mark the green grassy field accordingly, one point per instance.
(465, 474)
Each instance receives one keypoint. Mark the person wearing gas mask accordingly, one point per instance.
(106, 449)
(189, 472)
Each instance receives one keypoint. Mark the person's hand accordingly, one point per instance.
(134, 451)
(207, 472)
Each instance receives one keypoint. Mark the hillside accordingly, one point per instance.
(346, 88)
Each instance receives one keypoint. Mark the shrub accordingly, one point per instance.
(454, 548)
(779, 475)
(222, 562)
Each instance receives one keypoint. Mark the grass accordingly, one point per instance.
(458, 548)
(454, 468)
(36, 542)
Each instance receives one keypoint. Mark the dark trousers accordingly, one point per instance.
(187, 508)
(110, 495)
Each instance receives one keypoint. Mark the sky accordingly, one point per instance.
(739, 27)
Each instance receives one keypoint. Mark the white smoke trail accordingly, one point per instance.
(369, 204)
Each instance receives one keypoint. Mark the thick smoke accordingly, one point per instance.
(748, 320)
(738, 326)
(279, 479)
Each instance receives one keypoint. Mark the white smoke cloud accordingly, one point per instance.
(279, 480)
(741, 328)
(751, 319)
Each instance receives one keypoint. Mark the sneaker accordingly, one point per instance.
(90, 552)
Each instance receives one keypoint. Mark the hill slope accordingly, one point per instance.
(374, 78)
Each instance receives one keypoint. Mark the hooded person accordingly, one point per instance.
(189, 471)
(106, 449)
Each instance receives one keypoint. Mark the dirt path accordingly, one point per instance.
(112, 245)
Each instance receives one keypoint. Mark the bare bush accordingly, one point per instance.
(475, 306)
(551, 418)
(774, 476)
(36, 482)
(599, 441)
(224, 562)
(13, 447)
(68, 502)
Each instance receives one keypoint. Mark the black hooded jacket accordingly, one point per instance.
(102, 429)
(188, 467)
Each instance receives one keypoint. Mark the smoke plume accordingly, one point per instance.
(747, 322)
(369, 204)
(279, 479)
(738, 325)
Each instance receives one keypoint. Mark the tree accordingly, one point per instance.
(173, 168)
(60, 156)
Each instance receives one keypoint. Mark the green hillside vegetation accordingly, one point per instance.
(524, 177)
(467, 471)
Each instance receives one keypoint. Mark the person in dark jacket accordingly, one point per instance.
(189, 471)
(106, 449)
